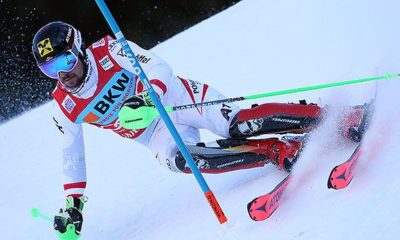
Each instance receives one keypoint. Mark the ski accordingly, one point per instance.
(341, 175)
(264, 206)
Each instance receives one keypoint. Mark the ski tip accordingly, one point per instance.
(331, 179)
(329, 185)
(249, 210)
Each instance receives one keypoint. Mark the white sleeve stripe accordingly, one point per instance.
(73, 191)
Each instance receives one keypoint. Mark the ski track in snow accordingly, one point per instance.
(252, 47)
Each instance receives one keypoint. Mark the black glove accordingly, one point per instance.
(139, 100)
(72, 214)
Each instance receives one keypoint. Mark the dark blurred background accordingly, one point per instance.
(146, 22)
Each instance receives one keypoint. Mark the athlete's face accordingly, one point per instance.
(74, 77)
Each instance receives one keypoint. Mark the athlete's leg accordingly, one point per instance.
(275, 118)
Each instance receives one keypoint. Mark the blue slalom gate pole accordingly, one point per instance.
(163, 113)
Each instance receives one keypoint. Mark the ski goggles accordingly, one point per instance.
(65, 62)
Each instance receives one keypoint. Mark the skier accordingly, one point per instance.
(94, 83)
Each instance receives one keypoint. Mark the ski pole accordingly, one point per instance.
(163, 113)
(35, 213)
(126, 112)
(278, 93)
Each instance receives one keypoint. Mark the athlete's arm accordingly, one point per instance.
(73, 155)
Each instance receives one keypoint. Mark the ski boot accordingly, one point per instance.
(234, 154)
(282, 153)
(355, 122)
(275, 118)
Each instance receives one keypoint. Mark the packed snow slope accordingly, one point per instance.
(255, 46)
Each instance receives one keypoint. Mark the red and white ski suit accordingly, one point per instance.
(111, 81)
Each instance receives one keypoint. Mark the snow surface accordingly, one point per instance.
(255, 46)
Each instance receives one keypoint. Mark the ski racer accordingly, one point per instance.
(94, 83)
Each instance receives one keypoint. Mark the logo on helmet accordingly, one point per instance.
(68, 37)
(44, 47)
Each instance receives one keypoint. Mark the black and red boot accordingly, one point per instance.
(283, 154)
(277, 118)
(282, 118)
(354, 122)
(236, 154)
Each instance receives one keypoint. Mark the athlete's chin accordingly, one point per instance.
(71, 82)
